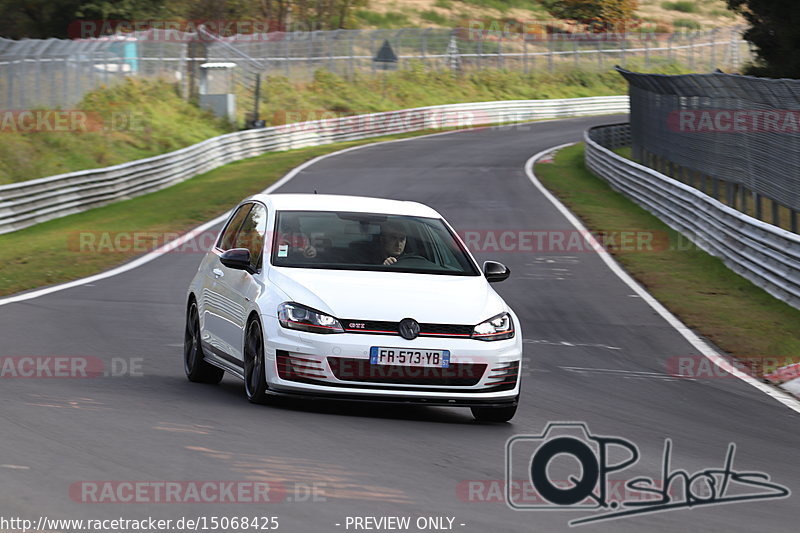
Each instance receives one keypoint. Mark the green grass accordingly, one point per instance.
(684, 6)
(733, 313)
(722, 13)
(50, 252)
(688, 24)
(388, 20)
(415, 87)
(505, 5)
(434, 17)
(144, 118)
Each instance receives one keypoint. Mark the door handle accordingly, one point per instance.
(217, 273)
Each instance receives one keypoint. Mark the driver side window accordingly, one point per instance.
(228, 238)
(252, 233)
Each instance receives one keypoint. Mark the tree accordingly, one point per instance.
(775, 32)
(598, 15)
(41, 19)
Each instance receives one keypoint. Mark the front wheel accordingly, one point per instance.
(255, 372)
(494, 414)
(197, 368)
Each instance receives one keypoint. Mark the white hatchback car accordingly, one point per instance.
(352, 298)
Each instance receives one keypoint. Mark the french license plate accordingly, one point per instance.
(379, 355)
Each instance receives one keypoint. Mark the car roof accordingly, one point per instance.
(334, 202)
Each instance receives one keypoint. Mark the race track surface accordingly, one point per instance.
(594, 353)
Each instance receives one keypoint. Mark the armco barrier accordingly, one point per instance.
(27, 203)
(762, 253)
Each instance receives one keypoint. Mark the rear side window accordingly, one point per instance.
(228, 237)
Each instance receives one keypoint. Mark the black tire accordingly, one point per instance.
(255, 371)
(197, 368)
(494, 414)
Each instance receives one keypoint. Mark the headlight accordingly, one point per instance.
(496, 328)
(295, 316)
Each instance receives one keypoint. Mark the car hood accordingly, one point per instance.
(391, 296)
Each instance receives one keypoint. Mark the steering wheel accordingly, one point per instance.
(412, 257)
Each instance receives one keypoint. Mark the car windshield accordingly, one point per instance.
(368, 241)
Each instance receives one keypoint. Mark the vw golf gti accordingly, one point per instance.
(344, 297)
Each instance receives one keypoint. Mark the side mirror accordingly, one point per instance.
(495, 271)
(237, 258)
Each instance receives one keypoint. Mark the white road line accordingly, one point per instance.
(158, 252)
(719, 360)
(565, 343)
(627, 373)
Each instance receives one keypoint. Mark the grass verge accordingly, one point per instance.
(737, 316)
(51, 252)
(286, 101)
(132, 120)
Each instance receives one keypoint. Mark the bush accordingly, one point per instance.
(684, 6)
(688, 24)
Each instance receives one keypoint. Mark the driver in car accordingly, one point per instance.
(393, 242)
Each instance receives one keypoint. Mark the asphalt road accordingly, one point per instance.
(594, 353)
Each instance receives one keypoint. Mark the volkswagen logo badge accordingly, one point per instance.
(408, 328)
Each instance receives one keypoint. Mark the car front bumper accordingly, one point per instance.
(485, 373)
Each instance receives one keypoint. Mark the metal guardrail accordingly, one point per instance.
(765, 254)
(31, 202)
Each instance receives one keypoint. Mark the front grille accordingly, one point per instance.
(457, 374)
(376, 327)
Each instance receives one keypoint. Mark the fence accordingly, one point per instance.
(56, 73)
(53, 73)
(762, 253)
(738, 133)
(28, 203)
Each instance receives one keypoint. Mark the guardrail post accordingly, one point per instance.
(757, 205)
(776, 218)
(743, 193)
